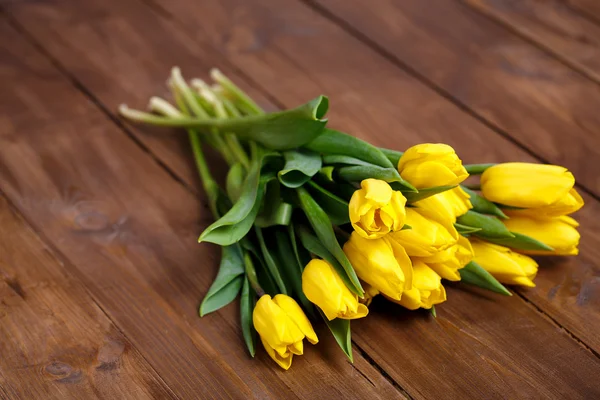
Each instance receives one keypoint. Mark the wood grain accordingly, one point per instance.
(318, 56)
(554, 26)
(57, 343)
(532, 97)
(128, 231)
(590, 8)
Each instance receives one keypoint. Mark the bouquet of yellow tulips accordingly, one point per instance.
(314, 222)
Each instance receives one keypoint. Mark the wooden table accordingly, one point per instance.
(100, 272)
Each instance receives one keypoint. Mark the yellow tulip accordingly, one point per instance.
(282, 325)
(544, 190)
(429, 165)
(381, 263)
(427, 289)
(447, 263)
(504, 264)
(323, 286)
(370, 293)
(450, 204)
(376, 209)
(559, 233)
(430, 233)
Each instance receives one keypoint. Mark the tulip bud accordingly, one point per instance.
(543, 190)
(559, 233)
(449, 204)
(447, 263)
(430, 233)
(381, 263)
(282, 325)
(504, 264)
(427, 289)
(376, 209)
(429, 165)
(323, 286)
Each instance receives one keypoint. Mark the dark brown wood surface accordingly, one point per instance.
(119, 206)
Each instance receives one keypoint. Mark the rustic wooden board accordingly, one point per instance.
(296, 85)
(56, 342)
(590, 8)
(128, 231)
(511, 84)
(553, 25)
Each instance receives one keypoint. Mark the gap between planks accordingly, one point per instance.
(546, 49)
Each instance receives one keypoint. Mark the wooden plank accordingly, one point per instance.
(552, 25)
(315, 54)
(484, 67)
(57, 343)
(128, 231)
(591, 8)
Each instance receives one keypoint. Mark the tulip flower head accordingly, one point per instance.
(430, 233)
(323, 286)
(282, 326)
(381, 263)
(447, 263)
(427, 289)
(429, 165)
(504, 264)
(542, 190)
(449, 204)
(560, 233)
(375, 209)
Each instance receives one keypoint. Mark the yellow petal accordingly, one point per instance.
(283, 362)
(295, 313)
(559, 233)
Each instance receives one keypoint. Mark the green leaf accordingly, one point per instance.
(234, 181)
(340, 328)
(491, 227)
(392, 155)
(236, 223)
(474, 274)
(334, 207)
(477, 169)
(313, 245)
(321, 224)
(246, 309)
(228, 282)
(340, 159)
(483, 205)
(284, 130)
(300, 166)
(326, 173)
(521, 242)
(339, 143)
(425, 193)
(270, 262)
(274, 210)
(465, 230)
(357, 173)
(291, 267)
(264, 277)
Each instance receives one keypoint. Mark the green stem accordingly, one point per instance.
(234, 145)
(251, 274)
(210, 185)
(245, 101)
(181, 87)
